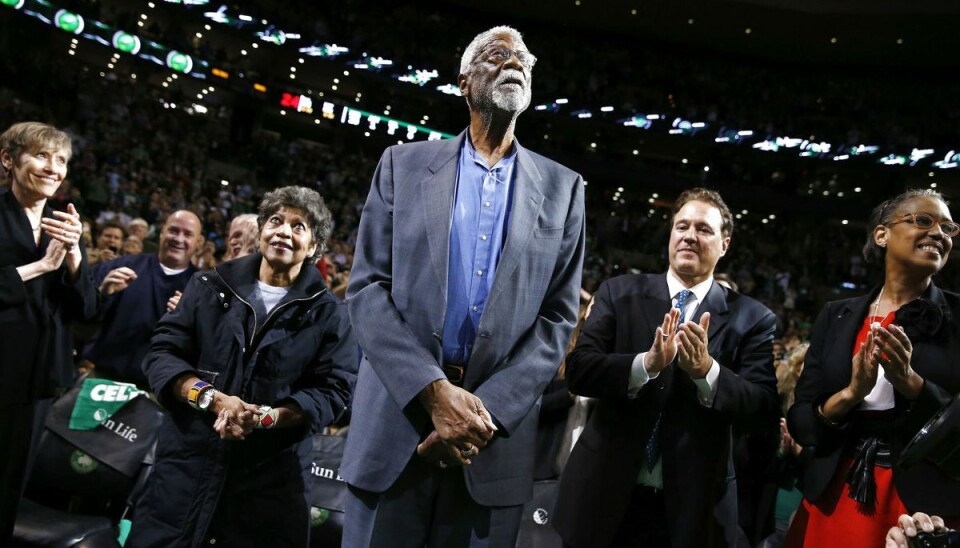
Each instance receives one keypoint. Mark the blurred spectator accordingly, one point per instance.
(242, 238)
(110, 235)
(137, 291)
(139, 228)
(133, 245)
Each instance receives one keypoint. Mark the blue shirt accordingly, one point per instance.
(481, 211)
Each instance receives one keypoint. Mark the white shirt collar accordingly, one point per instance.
(674, 286)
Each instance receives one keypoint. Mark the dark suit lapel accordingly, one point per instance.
(925, 348)
(527, 199)
(716, 304)
(19, 223)
(437, 194)
(849, 321)
(656, 302)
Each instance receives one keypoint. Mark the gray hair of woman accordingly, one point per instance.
(883, 214)
(306, 200)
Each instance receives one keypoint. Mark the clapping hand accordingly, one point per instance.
(865, 368)
(893, 350)
(693, 349)
(664, 348)
(173, 301)
(117, 280)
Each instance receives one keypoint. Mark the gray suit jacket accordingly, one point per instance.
(397, 301)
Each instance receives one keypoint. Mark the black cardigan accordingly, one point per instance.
(36, 351)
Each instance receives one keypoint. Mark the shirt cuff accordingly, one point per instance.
(638, 375)
(707, 386)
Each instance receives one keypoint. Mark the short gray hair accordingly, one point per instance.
(471, 52)
(306, 200)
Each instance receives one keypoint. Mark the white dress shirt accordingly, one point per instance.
(639, 376)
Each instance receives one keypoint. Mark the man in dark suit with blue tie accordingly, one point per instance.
(463, 296)
(674, 360)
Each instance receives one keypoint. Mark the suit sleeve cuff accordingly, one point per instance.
(638, 375)
(707, 386)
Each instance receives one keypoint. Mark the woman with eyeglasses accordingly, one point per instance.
(878, 367)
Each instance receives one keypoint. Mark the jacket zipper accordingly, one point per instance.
(253, 335)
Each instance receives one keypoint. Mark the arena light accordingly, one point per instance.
(15, 4)
(919, 154)
(450, 89)
(327, 50)
(419, 77)
(949, 161)
(180, 62)
(126, 42)
(68, 21)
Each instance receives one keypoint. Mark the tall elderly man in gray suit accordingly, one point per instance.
(463, 296)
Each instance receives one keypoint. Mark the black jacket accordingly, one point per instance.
(827, 370)
(302, 352)
(699, 485)
(35, 345)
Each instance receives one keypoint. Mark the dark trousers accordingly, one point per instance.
(16, 440)
(645, 522)
(430, 507)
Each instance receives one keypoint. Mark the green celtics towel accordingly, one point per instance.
(98, 400)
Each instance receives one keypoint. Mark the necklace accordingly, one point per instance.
(876, 307)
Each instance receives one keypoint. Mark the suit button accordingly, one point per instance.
(225, 305)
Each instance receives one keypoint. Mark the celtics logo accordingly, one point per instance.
(82, 463)
(541, 516)
(318, 516)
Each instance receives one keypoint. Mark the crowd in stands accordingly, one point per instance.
(137, 160)
(719, 90)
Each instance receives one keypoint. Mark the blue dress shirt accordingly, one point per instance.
(481, 211)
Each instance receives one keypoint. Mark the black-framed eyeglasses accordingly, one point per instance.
(925, 221)
(500, 55)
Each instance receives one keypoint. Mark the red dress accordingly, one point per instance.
(838, 520)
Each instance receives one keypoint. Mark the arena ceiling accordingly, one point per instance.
(873, 33)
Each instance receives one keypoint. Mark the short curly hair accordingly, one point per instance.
(884, 213)
(306, 200)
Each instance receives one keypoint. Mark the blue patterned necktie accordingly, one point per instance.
(651, 453)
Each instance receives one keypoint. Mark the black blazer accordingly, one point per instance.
(36, 351)
(827, 370)
(699, 483)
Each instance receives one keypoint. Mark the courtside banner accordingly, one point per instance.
(98, 400)
(122, 440)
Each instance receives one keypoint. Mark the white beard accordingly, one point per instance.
(513, 101)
